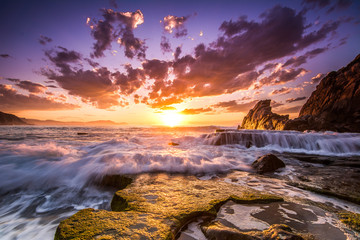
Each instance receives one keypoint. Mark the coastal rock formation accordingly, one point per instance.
(10, 119)
(261, 117)
(334, 105)
(267, 163)
(157, 206)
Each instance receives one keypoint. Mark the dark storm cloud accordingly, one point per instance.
(175, 24)
(234, 106)
(43, 40)
(131, 81)
(318, 77)
(282, 91)
(118, 27)
(290, 100)
(4, 55)
(193, 111)
(11, 100)
(165, 45)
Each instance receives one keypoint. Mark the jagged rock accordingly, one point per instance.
(10, 119)
(261, 117)
(334, 105)
(267, 163)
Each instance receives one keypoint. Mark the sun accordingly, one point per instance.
(171, 119)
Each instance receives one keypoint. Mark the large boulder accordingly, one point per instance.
(267, 163)
(261, 117)
(334, 105)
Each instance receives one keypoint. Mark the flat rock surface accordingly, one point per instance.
(157, 206)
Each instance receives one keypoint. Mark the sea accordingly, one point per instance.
(48, 173)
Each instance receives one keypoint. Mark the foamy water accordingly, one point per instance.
(46, 173)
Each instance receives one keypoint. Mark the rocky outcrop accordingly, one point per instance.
(157, 206)
(261, 117)
(10, 119)
(267, 163)
(334, 105)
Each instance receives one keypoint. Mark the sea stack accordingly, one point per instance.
(334, 105)
(261, 117)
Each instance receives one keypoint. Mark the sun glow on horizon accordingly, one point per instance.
(171, 119)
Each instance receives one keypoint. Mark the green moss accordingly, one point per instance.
(351, 219)
(157, 206)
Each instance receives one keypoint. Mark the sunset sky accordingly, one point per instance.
(138, 61)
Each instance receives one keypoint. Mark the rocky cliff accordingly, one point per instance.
(10, 119)
(334, 105)
(261, 117)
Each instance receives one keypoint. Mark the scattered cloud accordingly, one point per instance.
(234, 106)
(317, 78)
(175, 24)
(28, 85)
(295, 109)
(11, 100)
(193, 111)
(297, 61)
(290, 100)
(165, 45)
(95, 87)
(43, 40)
(118, 27)
(4, 55)
(282, 91)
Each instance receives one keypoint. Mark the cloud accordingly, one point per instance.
(339, 4)
(29, 86)
(297, 61)
(177, 53)
(230, 63)
(275, 104)
(43, 40)
(282, 91)
(290, 100)
(318, 77)
(13, 101)
(234, 106)
(175, 24)
(165, 44)
(118, 27)
(282, 76)
(93, 86)
(295, 109)
(193, 111)
(4, 55)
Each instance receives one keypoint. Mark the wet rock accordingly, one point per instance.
(179, 199)
(261, 117)
(217, 231)
(173, 144)
(334, 105)
(82, 133)
(267, 163)
(115, 181)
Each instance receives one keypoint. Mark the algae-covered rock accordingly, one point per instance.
(351, 219)
(156, 206)
(217, 231)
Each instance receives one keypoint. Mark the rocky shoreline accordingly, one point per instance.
(166, 206)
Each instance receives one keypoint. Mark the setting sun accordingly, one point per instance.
(171, 119)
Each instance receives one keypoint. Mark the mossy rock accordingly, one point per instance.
(156, 206)
(351, 219)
